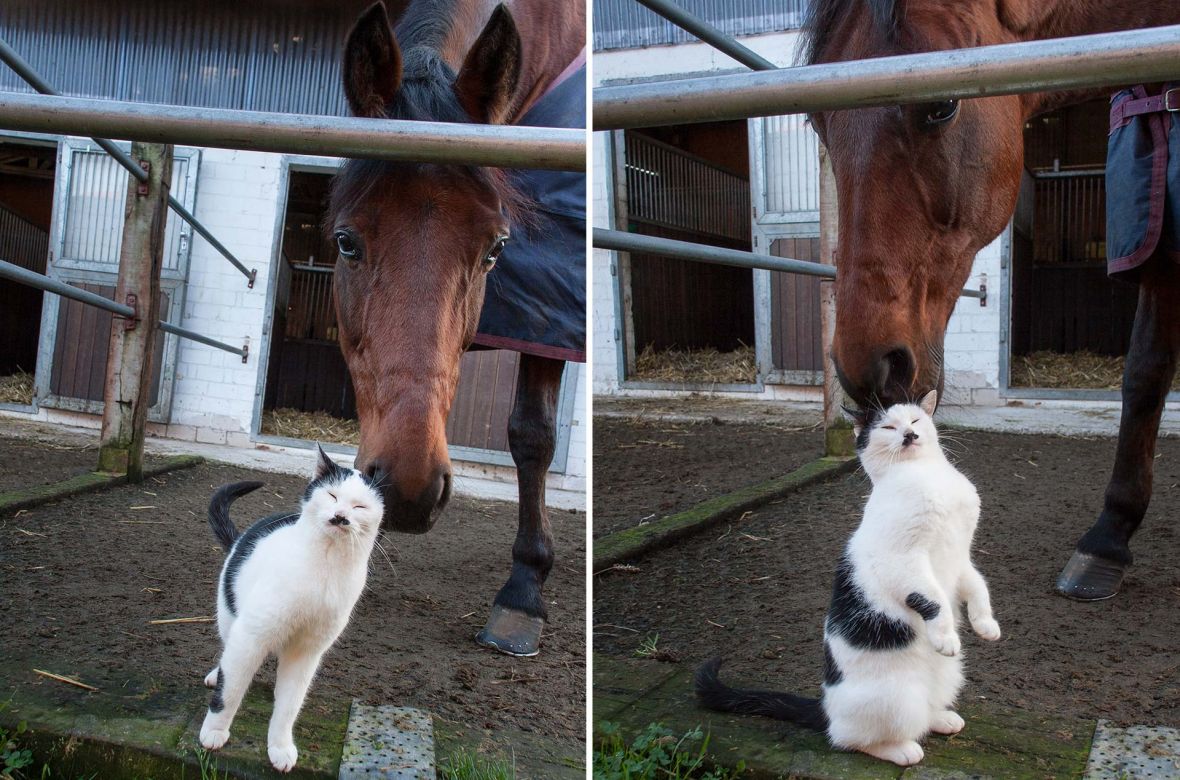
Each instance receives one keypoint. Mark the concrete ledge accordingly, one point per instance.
(86, 483)
(999, 743)
(633, 542)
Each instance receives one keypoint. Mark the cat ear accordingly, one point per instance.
(323, 465)
(929, 402)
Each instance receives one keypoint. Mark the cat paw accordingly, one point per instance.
(947, 722)
(211, 679)
(987, 628)
(947, 643)
(900, 753)
(283, 757)
(212, 739)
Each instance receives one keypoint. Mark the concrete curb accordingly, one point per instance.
(91, 482)
(633, 542)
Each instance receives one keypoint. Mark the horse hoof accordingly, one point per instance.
(512, 632)
(1089, 578)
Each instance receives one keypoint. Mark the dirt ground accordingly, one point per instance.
(80, 579)
(25, 464)
(756, 591)
(646, 469)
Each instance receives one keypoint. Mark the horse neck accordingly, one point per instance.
(1065, 18)
(552, 32)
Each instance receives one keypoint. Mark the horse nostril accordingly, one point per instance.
(895, 374)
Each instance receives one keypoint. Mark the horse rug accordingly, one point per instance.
(536, 295)
(1142, 178)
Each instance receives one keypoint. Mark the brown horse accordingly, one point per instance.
(416, 243)
(922, 188)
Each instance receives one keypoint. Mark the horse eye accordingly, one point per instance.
(941, 112)
(346, 246)
(493, 254)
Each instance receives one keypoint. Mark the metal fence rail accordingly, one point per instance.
(41, 282)
(378, 139)
(1130, 57)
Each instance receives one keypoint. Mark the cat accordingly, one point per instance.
(288, 587)
(892, 657)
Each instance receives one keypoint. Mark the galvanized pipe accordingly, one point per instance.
(23, 69)
(42, 282)
(378, 139)
(1129, 57)
(622, 241)
(708, 34)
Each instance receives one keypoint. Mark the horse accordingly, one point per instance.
(922, 188)
(418, 244)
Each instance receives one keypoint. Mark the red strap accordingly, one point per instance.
(1122, 113)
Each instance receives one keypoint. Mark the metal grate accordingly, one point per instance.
(1069, 217)
(625, 24)
(668, 187)
(251, 56)
(311, 313)
(22, 242)
(388, 741)
(791, 157)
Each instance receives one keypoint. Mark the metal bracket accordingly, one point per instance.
(245, 351)
(141, 189)
(983, 298)
(250, 283)
(129, 323)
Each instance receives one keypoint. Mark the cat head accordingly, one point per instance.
(340, 502)
(900, 432)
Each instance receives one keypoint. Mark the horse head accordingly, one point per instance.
(416, 243)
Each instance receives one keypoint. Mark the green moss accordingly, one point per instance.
(91, 482)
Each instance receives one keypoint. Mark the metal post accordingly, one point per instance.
(708, 34)
(23, 69)
(128, 388)
(837, 430)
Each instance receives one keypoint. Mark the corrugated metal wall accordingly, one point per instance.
(22, 242)
(625, 24)
(791, 156)
(263, 56)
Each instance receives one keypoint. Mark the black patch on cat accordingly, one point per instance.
(853, 619)
(866, 420)
(832, 673)
(216, 703)
(922, 605)
(332, 473)
(245, 546)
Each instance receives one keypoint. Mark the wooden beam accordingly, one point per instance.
(127, 394)
(838, 441)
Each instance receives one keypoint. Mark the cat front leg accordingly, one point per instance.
(929, 601)
(240, 659)
(973, 589)
(297, 667)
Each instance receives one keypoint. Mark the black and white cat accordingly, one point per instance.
(288, 587)
(892, 660)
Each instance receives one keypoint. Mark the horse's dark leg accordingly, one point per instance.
(518, 614)
(1103, 554)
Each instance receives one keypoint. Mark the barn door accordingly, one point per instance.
(784, 183)
(90, 197)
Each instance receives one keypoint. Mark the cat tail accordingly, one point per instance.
(716, 695)
(224, 528)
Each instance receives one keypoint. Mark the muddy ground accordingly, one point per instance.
(756, 591)
(26, 464)
(80, 579)
(647, 469)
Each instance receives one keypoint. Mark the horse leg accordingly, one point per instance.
(518, 613)
(1103, 554)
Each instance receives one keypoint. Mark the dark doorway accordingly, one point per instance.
(27, 174)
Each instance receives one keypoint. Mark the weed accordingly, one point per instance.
(656, 754)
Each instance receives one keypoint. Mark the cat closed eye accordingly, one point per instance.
(332, 495)
(889, 427)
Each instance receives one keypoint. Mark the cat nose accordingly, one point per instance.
(910, 437)
(339, 520)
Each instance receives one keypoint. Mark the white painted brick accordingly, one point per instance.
(210, 436)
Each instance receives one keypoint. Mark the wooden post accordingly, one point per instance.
(128, 389)
(837, 429)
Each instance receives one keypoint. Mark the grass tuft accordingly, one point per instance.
(657, 753)
(464, 765)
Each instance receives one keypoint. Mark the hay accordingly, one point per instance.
(16, 388)
(697, 365)
(1070, 371)
(312, 426)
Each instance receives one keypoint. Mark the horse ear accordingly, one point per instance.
(323, 464)
(487, 80)
(372, 63)
(929, 402)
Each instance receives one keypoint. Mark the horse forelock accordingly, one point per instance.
(826, 17)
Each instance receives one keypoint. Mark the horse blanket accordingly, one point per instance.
(1142, 178)
(536, 295)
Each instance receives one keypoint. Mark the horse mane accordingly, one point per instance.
(426, 94)
(825, 17)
